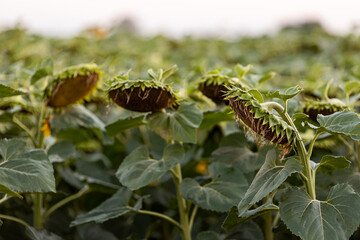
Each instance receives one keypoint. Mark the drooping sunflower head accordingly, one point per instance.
(259, 120)
(141, 95)
(214, 84)
(72, 84)
(314, 108)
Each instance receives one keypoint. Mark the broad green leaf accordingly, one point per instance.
(113, 207)
(241, 157)
(124, 124)
(10, 147)
(207, 235)
(212, 118)
(233, 220)
(180, 125)
(345, 122)
(93, 231)
(60, 151)
(40, 234)
(269, 177)
(227, 187)
(335, 218)
(138, 169)
(285, 94)
(329, 163)
(29, 171)
(78, 116)
(246, 231)
(6, 190)
(45, 69)
(6, 91)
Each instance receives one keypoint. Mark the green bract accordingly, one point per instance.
(259, 119)
(142, 95)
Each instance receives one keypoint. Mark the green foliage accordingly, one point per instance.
(217, 195)
(335, 218)
(138, 169)
(178, 125)
(269, 177)
(6, 91)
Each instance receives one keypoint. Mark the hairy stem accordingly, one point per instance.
(358, 154)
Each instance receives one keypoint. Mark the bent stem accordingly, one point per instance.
(61, 203)
(308, 172)
(160, 215)
(15, 219)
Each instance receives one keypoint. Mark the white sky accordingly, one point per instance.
(178, 17)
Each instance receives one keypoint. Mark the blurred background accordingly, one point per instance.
(227, 18)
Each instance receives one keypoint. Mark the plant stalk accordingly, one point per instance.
(358, 154)
(61, 203)
(183, 211)
(160, 215)
(38, 203)
(15, 219)
(308, 172)
(268, 225)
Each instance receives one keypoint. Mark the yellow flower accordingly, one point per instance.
(46, 128)
(201, 167)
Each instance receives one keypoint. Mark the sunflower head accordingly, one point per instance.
(259, 120)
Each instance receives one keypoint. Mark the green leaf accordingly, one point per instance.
(29, 171)
(329, 163)
(78, 116)
(138, 169)
(40, 234)
(336, 218)
(9, 147)
(60, 151)
(212, 118)
(345, 122)
(93, 231)
(6, 91)
(241, 157)
(285, 94)
(227, 187)
(269, 177)
(352, 86)
(246, 231)
(241, 70)
(45, 69)
(233, 220)
(180, 125)
(207, 235)
(123, 124)
(257, 95)
(113, 207)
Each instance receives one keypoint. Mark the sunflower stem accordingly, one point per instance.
(308, 172)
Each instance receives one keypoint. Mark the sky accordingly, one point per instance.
(179, 17)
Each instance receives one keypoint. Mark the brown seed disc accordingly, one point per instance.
(72, 89)
(313, 113)
(214, 92)
(149, 100)
(244, 113)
